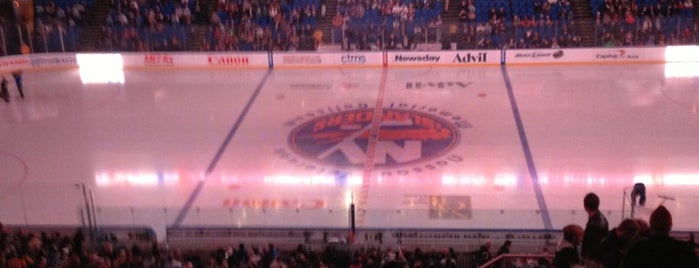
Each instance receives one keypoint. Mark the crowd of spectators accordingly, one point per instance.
(387, 24)
(644, 22)
(633, 243)
(21, 249)
(57, 25)
(516, 24)
(289, 25)
(377, 25)
(257, 25)
(150, 25)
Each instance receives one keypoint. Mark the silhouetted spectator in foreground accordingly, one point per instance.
(643, 229)
(660, 250)
(483, 254)
(596, 229)
(505, 248)
(617, 243)
(567, 249)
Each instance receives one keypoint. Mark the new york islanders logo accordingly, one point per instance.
(404, 138)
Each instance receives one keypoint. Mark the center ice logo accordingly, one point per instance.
(405, 137)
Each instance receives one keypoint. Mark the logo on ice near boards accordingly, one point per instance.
(411, 139)
(439, 85)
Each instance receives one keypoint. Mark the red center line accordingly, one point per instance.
(371, 149)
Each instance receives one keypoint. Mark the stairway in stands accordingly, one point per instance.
(92, 35)
(196, 36)
(325, 23)
(450, 19)
(584, 21)
(201, 24)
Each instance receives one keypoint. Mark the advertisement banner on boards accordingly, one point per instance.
(15, 62)
(229, 60)
(629, 54)
(54, 60)
(538, 56)
(196, 60)
(336, 59)
(443, 58)
(586, 55)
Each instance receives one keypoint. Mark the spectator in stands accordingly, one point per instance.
(338, 21)
(463, 13)
(660, 250)
(394, 259)
(643, 229)
(505, 248)
(172, 262)
(596, 229)
(483, 255)
(448, 259)
(617, 243)
(567, 250)
(277, 263)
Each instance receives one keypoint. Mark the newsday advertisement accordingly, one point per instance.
(443, 58)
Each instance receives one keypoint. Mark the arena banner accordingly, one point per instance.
(11, 63)
(227, 60)
(54, 60)
(586, 55)
(296, 59)
(538, 56)
(139, 60)
(196, 60)
(354, 59)
(628, 55)
(443, 58)
(334, 59)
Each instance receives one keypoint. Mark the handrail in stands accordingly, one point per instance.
(500, 257)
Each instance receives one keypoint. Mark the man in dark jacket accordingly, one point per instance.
(596, 229)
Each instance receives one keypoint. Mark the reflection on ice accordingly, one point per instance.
(681, 69)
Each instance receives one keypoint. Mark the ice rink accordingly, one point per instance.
(433, 148)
